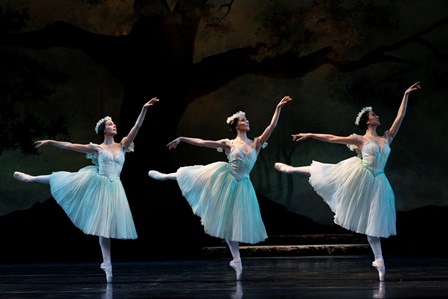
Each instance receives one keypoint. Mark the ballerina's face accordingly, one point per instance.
(243, 124)
(110, 128)
(373, 119)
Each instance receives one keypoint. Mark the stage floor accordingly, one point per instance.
(291, 277)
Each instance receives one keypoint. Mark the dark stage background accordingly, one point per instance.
(66, 64)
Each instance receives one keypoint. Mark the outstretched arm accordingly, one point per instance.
(402, 110)
(82, 148)
(133, 132)
(328, 138)
(270, 128)
(199, 142)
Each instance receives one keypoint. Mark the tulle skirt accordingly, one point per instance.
(228, 208)
(361, 202)
(93, 203)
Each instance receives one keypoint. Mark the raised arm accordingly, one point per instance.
(82, 148)
(199, 142)
(270, 128)
(133, 132)
(402, 110)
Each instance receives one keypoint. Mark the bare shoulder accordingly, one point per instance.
(226, 142)
(92, 147)
(359, 139)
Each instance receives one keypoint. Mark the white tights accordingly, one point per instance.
(236, 262)
(282, 167)
(375, 244)
(234, 249)
(43, 179)
(105, 249)
(162, 176)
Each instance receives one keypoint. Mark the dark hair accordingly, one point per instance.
(363, 121)
(101, 128)
(233, 123)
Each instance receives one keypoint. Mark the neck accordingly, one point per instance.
(241, 135)
(108, 140)
(371, 131)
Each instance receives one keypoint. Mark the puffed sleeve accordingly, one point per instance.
(93, 156)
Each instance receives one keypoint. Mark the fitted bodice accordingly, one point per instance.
(109, 165)
(242, 162)
(375, 158)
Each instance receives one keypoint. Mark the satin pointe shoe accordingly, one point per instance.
(23, 177)
(238, 266)
(282, 167)
(157, 175)
(107, 268)
(379, 265)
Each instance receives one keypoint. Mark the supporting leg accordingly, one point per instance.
(107, 262)
(375, 244)
(236, 262)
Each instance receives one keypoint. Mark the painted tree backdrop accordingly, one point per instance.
(66, 64)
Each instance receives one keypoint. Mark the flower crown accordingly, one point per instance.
(239, 114)
(363, 110)
(98, 124)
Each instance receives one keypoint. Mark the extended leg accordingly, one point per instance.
(43, 179)
(282, 167)
(236, 262)
(162, 176)
(375, 244)
(107, 262)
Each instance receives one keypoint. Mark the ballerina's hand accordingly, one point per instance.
(39, 143)
(173, 144)
(284, 100)
(300, 136)
(413, 87)
(151, 102)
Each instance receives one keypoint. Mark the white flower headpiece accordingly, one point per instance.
(239, 114)
(98, 124)
(363, 110)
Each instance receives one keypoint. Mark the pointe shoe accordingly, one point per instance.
(157, 175)
(107, 268)
(282, 167)
(23, 177)
(379, 265)
(237, 265)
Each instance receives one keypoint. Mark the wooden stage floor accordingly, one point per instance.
(279, 277)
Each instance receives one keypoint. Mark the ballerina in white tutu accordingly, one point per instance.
(221, 193)
(356, 189)
(93, 197)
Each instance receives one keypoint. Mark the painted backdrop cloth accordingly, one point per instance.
(223, 196)
(94, 198)
(358, 191)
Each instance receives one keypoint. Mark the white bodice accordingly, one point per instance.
(242, 162)
(109, 165)
(375, 158)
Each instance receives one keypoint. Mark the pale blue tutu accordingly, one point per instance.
(95, 203)
(223, 196)
(358, 192)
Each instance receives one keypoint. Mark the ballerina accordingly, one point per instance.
(93, 197)
(221, 193)
(356, 189)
